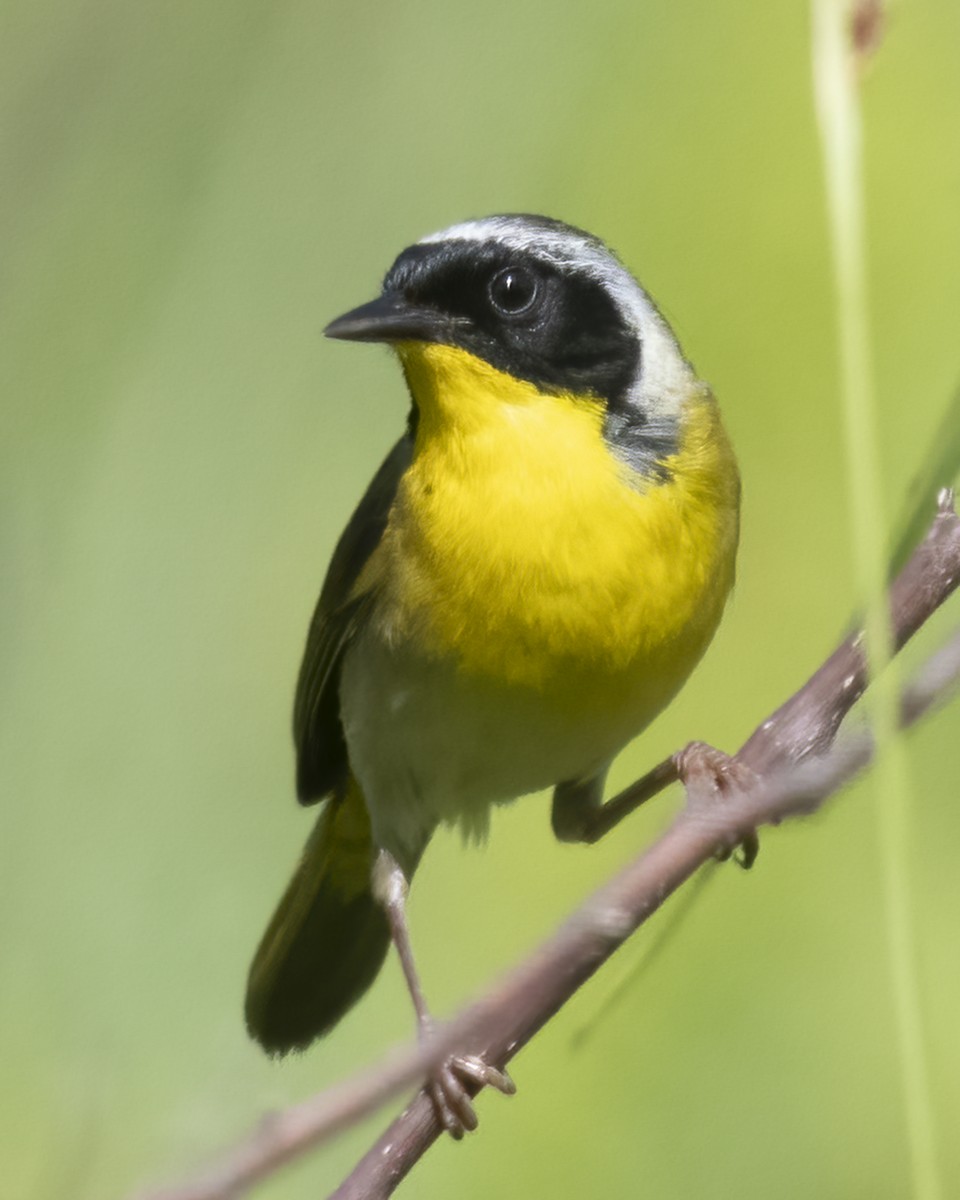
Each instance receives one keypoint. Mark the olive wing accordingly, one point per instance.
(340, 612)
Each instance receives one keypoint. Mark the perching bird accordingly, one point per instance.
(531, 576)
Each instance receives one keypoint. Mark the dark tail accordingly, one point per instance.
(327, 939)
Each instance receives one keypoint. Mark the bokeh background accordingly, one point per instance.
(189, 192)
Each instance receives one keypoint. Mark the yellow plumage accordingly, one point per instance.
(525, 550)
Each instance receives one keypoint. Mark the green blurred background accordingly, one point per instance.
(189, 192)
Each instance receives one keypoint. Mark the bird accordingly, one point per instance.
(535, 569)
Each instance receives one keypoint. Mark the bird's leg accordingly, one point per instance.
(580, 815)
(447, 1081)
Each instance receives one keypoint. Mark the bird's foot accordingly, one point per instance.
(453, 1084)
(708, 775)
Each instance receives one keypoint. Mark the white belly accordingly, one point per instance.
(428, 746)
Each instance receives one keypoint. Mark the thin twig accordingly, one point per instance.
(793, 769)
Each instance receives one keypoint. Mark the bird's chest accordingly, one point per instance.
(526, 555)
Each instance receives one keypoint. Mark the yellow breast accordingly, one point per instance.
(522, 549)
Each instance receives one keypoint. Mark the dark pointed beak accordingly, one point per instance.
(390, 318)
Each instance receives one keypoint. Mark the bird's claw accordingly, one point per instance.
(709, 774)
(449, 1089)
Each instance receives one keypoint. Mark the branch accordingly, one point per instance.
(792, 765)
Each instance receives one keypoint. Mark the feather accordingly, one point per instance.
(340, 612)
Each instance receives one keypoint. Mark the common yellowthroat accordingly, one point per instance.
(530, 577)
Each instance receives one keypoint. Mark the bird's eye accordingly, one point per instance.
(513, 291)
